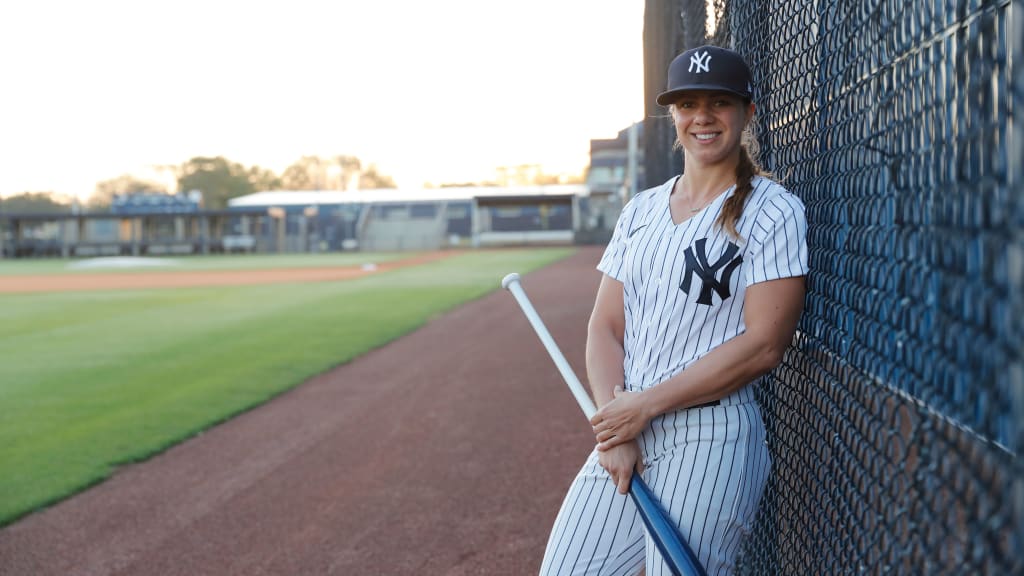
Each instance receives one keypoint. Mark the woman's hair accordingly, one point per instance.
(746, 169)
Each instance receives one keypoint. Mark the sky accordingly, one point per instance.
(429, 92)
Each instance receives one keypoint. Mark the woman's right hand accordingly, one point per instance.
(620, 461)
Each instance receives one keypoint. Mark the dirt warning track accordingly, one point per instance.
(446, 452)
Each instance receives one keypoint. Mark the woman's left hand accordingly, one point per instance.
(620, 420)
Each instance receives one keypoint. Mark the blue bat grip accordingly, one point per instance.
(680, 559)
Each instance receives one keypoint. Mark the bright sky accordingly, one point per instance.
(438, 91)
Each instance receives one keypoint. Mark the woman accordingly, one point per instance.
(703, 286)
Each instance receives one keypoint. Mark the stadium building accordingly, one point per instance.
(419, 219)
(148, 224)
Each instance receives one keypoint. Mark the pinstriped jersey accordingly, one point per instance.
(684, 284)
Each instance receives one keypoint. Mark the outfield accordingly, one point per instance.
(91, 380)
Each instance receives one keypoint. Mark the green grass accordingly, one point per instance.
(91, 380)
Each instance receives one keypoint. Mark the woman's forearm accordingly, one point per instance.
(605, 332)
(719, 373)
(604, 363)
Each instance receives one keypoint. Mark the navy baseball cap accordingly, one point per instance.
(707, 68)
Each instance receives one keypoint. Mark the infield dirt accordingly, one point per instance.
(184, 279)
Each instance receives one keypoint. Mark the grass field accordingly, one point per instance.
(91, 380)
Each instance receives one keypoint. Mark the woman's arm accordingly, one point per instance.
(605, 356)
(605, 334)
(771, 312)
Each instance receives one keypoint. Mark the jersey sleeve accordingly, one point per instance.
(614, 255)
(778, 247)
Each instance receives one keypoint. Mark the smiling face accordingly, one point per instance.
(709, 125)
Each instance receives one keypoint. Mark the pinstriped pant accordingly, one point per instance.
(707, 466)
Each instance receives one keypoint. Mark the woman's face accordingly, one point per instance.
(709, 124)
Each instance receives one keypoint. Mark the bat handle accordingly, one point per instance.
(674, 550)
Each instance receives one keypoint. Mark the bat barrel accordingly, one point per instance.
(664, 534)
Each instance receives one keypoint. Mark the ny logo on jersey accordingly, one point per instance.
(697, 263)
(701, 60)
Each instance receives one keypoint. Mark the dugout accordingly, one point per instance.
(417, 219)
(141, 233)
(520, 220)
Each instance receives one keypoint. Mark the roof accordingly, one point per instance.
(392, 195)
(506, 200)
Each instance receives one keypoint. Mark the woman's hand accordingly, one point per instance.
(620, 462)
(620, 420)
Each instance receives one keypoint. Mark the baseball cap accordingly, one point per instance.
(707, 68)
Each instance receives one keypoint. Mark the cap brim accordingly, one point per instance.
(666, 98)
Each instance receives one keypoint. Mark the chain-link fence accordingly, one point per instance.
(895, 419)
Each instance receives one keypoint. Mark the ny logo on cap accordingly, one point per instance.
(701, 61)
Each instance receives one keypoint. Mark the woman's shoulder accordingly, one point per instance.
(769, 187)
(768, 193)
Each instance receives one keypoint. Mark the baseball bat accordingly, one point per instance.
(678, 556)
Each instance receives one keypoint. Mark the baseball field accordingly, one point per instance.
(101, 367)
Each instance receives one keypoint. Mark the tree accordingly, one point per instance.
(544, 179)
(303, 174)
(351, 168)
(466, 184)
(34, 203)
(217, 179)
(341, 172)
(105, 191)
(370, 178)
(263, 179)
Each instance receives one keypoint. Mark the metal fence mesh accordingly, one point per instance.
(895, 419)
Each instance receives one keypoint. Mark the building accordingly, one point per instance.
(615, 175)
(409, 219)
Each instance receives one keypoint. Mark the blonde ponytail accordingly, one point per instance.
(746, 169)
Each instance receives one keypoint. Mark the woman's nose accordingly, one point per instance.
(703, 115)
